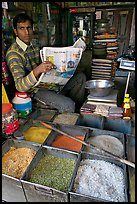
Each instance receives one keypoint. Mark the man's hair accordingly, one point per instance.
(21, 17)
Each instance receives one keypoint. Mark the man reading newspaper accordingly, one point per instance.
(23, 60)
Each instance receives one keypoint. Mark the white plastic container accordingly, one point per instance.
(22, 104)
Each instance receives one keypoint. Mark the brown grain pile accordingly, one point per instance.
(67, 118)
(16, 161)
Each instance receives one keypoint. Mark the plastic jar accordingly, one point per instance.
(9, 119)
(22, 104)
(6, 78)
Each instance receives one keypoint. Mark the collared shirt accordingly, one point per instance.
(21, 60)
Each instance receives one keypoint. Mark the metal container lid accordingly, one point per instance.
(21, 94)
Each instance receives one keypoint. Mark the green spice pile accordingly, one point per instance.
(53, 172)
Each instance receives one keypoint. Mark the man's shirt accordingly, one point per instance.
(21, 60)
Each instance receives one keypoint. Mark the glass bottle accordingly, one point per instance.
(127, 112)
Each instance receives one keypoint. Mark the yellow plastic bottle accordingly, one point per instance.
(126, 96)
(127, 112)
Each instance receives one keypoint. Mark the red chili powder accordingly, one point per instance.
(65, 142)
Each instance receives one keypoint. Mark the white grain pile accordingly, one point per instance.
(100, 179)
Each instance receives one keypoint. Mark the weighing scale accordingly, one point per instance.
(127, 65)
(110, 99)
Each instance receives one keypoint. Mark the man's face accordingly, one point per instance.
(24, 31)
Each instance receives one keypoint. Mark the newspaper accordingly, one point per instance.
(65, 61)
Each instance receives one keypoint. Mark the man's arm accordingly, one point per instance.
(16, 64)
(25, 76)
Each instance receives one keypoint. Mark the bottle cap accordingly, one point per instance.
(22, 95)
(127, 95)
(6, 107)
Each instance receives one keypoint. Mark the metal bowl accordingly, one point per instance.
(99, 87)
(102, 29)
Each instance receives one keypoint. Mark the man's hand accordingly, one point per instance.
(42, 68)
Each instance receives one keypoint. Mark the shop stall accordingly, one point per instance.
(56, 152)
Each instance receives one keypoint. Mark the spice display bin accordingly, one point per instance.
(94, 132)
(73, 130)
(131, 180)
(105, 123)
(130, 154)
(12, 190)
(45, 115)
(90, 120)
(130, 147)
(67, 118)
(39, 193)
(118, 124)
(77, 197)
(30, 123)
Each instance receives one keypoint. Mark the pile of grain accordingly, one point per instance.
(67, 118)
(16, 161)
(65, 142)
(108, 143)
(54, 172)
(36, 134)
(100, 179)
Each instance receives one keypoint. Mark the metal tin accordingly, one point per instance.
(131, 180)
(12, 190)
(45, 115)
(76, 197)
(94, 132)
(130, 147)
(67, 118)
(29, 123)
(38, 193)
(40, 114)
(105, 123)
(90, 120)
(118, 124)
(73, 130)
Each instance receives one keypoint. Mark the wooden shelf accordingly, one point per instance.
(97, 4)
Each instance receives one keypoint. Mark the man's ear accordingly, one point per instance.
(15, 31)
